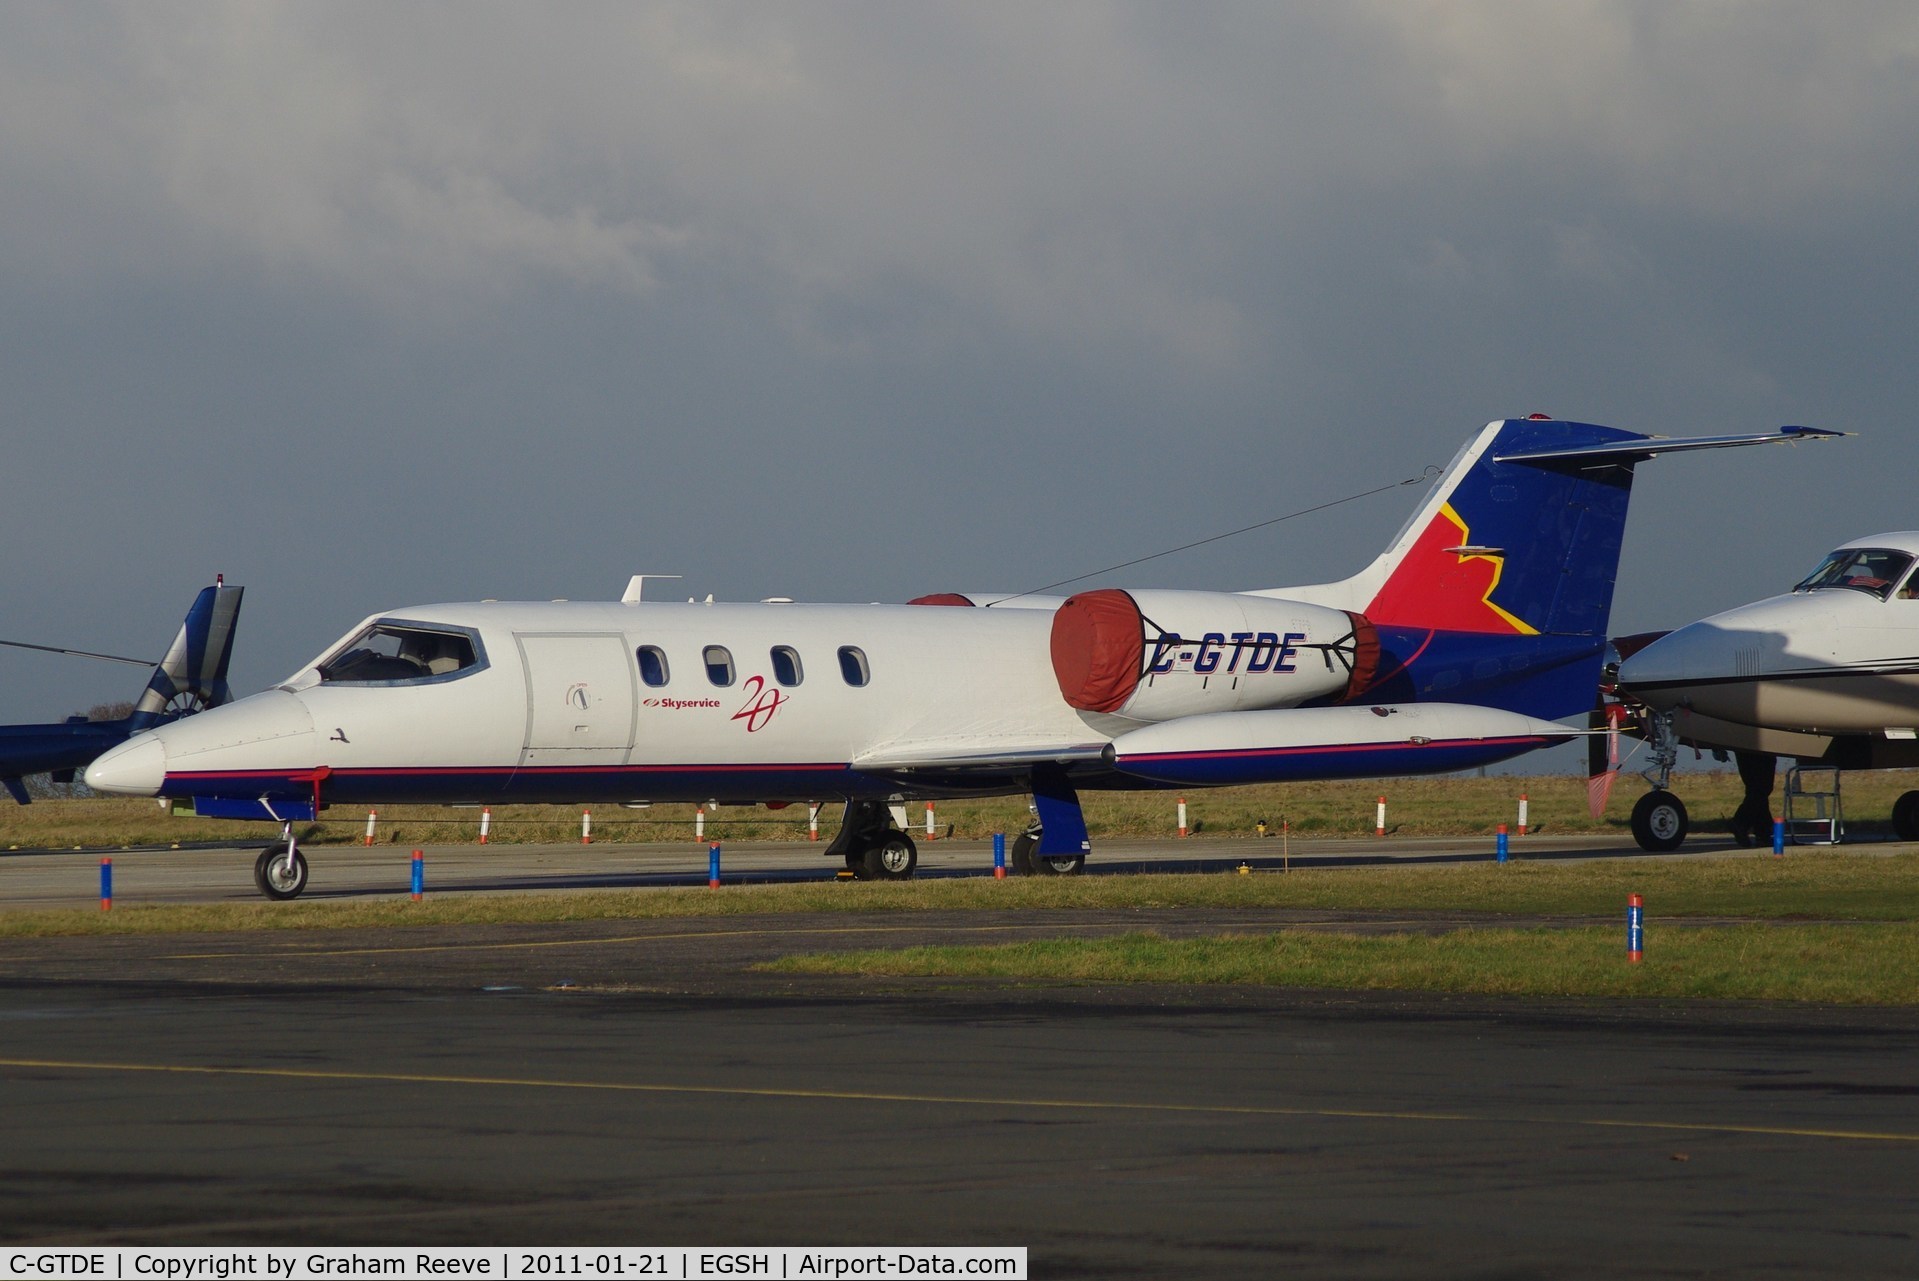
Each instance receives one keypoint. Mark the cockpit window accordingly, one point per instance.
(396, 652)
(1874, 570)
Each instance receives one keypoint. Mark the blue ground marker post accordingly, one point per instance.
(713, 866)
(1499, 846)
(1779, 838)
(419, 875)
(999, 856)
(1635, 928)
(106, 885)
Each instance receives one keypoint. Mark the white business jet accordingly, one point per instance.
(1827, 673)
(1481, 625)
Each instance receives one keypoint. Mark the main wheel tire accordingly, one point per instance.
(1021, 856)
(1905, 817)
(893, 859)
(1659, 822)
(1059, 864)
(275, 879)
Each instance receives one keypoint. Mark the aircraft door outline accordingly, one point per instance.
(581, 704)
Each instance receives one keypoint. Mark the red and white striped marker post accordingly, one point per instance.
(929, 822)
(699, 822)
(372, 817)
(812, 821)
(586, 827)
(486, 822)
(1522, 813)
(1379, 818)
(1182, 816)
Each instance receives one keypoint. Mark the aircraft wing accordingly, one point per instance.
(974, 752)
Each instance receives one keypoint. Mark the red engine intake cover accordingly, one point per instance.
(1099, 648)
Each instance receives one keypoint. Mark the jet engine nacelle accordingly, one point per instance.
(1158, 655)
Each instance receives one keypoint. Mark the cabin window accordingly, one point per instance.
(653, 668)
(400, 652)
(719, 664)
(786, 665)
(853, 665)
(1873, 570)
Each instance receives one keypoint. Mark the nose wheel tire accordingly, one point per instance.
(1659, 822)
(1059, 865)
(275, 879)
(893, 859)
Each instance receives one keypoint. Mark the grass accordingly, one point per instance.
(1835, 964)
(1829, 886)
(1455, 806)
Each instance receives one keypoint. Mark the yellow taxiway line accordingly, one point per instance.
(958, 1100)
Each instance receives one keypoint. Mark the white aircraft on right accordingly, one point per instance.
(1827, 673)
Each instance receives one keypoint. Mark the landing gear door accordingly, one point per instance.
(579, 700)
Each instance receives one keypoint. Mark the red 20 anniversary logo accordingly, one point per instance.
(762, 700)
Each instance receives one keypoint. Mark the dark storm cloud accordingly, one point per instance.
(368, 305)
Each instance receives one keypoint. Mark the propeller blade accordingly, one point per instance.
(79, 653)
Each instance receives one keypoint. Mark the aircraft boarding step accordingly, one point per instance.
(1812, 805)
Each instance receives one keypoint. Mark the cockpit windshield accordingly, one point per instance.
(399, 652)
(1875, 570)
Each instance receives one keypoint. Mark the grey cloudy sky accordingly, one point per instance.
(369, 305)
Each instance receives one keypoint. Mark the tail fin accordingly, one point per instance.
(193, 675)
(1522, 532)
(1507, 545)
(1511, 546)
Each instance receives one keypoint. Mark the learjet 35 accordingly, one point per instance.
(1480, 626)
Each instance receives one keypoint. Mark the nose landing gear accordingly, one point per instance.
(281, 870)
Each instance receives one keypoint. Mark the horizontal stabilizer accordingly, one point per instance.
(1625, 452)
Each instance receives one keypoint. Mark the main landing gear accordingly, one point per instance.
(873, 848)
(281, 870)
(877, 850)
(1027, 863)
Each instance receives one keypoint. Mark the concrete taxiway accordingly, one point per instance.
(71, 878)
(639, 1082)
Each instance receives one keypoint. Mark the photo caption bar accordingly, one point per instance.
(516, 1263)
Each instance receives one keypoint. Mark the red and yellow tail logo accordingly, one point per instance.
(1442, 582)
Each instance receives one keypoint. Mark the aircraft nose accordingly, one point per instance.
(1666, 659)
(137, 767)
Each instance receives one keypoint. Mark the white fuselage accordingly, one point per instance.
(1790, 673)
(563, 702)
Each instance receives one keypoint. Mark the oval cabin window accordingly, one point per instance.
(853, 665)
